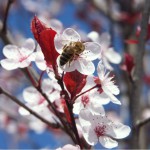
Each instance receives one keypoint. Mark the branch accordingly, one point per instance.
(135, 94)
(4, 28)
(142, 123)
(2, 91)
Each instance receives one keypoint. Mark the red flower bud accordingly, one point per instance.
(128, 64)
(45, 38)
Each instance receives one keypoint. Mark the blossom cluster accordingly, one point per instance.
(88, 87)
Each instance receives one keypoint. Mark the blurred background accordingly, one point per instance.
(120, 18)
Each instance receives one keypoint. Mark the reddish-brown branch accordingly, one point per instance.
(13, 98)
(84, 92)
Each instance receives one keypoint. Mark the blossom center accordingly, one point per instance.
(98, 83)
(100, 130)
(85, 100)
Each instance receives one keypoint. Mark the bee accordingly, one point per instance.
(70, 52)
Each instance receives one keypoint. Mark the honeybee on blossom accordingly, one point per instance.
(74, 54)
(70, 52)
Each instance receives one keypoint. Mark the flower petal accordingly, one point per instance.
(9, 64)
(107, 142)
(31, 95)
(11, 51)
(92, 51)
(23, 111)
(121, 130)
(71, 35)
(60, 42)
(105, 41)
(24, 63)
(100, 99)
(77, 106)
(56, 25)
(67, 67)
(29, 45)
(39, 60)
(97, 109)
(107, 64)
(101, 70)
(113, 56)
(85, 117)
(94, 36)
(111, 96)
(90, 137)
(85, 67)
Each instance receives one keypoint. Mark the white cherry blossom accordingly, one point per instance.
(18, 57)
(33, 99)
(109, 55)
(51, 88)
(98, 128)
(89, 101)
(39, 59)
(107, 85)
(69, 146)
(83, 63)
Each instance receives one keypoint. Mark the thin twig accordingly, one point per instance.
(13, 98)
(51, 105)
(142, 123)
(84, 92)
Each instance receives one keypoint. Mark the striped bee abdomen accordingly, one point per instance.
(65, 57)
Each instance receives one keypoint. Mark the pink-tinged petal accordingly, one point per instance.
(113, 56)
(37, 125)
(91, 137)
(85, 67)
(107, 64)
(71, 35)
(107, 142)
(105, 41)
(85, 117)
(94, 36)
(69, 147)
(24, 63)
(101, 70)
(29, 45)
(60, 42)
(92, 51)
(121, 131)
(41, 65)
(100, 99)
(113, 88)
(111, 96)
(9, 64)
(77, 106)
(56, 25)
(39, 60)
(97, 109)
(31, 95)
(89, 82)
(11, 51)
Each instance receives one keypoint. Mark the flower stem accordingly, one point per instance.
(84, 92)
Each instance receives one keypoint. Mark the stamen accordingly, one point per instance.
(100, 130)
